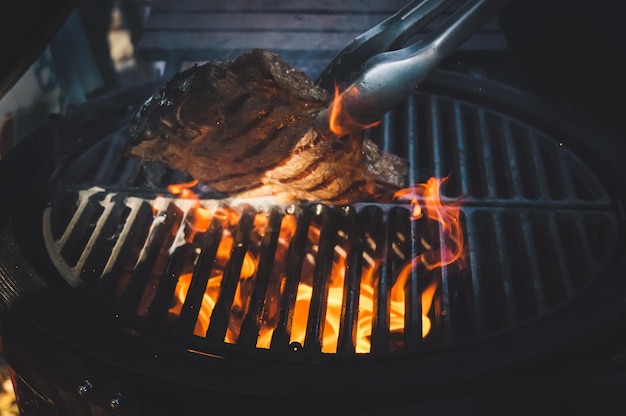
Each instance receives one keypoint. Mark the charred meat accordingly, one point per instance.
(244, 128)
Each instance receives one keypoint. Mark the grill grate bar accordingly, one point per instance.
(559, 252)
(491, 254)
(251, 323)
(346, 340)
(280, 338)
(463, 174)
(84, 201)
(80, 239)
(586, 249)
(529, 259)
(135, 231)
(595, 263)
(437, 137)
(577, 248)
(487, 163)
(475, 267)
(514, 180)
(411, 138)
(565, 179)
(161, 304)
(445, 295)
(539, 170)
(413, 306)
(323, 267)
(388, 134)
(220, 317)
(507, 284)
(382, 285)
(401, 252)
(201, 274)
(159, 241)
(102, 240)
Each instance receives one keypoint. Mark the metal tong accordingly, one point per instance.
(373, 75)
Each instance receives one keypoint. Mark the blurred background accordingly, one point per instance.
(569, 52)
(91, 53)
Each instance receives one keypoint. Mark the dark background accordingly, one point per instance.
(569, 51)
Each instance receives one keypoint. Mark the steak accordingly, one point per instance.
(244, 128)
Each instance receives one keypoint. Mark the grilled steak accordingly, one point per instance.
(244, 128)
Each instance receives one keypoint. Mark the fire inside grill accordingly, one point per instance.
(311, 275)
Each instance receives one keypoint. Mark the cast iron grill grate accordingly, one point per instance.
(538, 226)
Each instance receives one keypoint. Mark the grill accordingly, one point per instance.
(539, 229)
(543, 236)
(115, 300)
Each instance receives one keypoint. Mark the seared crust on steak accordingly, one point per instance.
(244, 128)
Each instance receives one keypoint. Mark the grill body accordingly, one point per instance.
(544, 238)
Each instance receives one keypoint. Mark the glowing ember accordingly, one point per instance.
(442, 218)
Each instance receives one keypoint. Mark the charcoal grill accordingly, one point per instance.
(541, 282)
(92, 254)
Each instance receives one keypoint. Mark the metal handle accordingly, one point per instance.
(389, 77)
(388, 35)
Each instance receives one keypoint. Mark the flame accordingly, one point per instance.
(426, 197)
(183, 190)
(339, 121)
(425, 202)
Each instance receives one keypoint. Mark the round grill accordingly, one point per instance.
(539, 225)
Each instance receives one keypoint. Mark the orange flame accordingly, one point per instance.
(183, 189)
(339, 121)
(424, 199)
